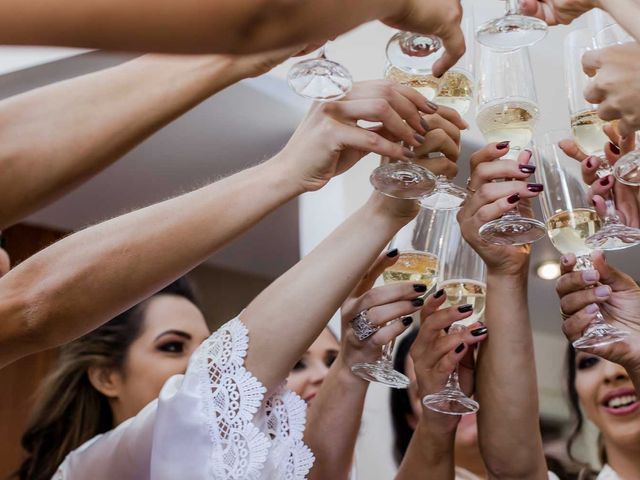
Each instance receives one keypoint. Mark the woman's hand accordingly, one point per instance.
(436, 354)
(557, 12)
(390, 303)
(329, 140)
(491, 200)
(618, 297)
(616, 84)
(627, 198)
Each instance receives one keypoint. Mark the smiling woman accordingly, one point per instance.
(109, 375)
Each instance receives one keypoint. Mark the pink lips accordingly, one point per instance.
(621, 392)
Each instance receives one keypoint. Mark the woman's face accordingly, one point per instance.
(308, 374)
(467, 431)
(173, 328)
(608, 398)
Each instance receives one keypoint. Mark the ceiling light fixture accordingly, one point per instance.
(548, 270)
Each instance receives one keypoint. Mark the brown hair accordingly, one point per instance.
(69, 410)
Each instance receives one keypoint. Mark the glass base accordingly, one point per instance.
(320, 79)
(403, 180)
(614, 236)
(381, 372)
(513, 230)
(511, 32)
(627, 169)
(407, 51)
(599, 335)
(446, 196)
(451, 402)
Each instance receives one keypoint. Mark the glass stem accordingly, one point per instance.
(611, 214)
(583, 262)
(453, 382)
(513, 7)
(387, 351)
(322, 55)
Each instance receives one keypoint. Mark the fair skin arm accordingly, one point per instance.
(618, 297)
(509, 435)
(46, 159)
(89, 277)
(430, 454)
(219, 26)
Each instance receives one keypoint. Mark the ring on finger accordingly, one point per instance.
(468, 184)
(564, 315)
(362, 327)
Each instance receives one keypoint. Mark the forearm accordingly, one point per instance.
(89, 277)
(189, 26)
(56, 137)
(506, 382)
(626, 13)
(333, 423)
(292, 311)
(429, 456)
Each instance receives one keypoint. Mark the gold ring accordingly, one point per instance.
(564, 315)
(469, 189)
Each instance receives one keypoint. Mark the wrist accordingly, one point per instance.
(345, 375)
(437, 425)
(277, 172)
(387, 210)
(514, 280)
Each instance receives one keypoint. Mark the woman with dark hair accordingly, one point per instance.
(109, 375)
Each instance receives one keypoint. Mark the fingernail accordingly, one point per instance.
(408, 153)
(603, 291)
(3, 242)
(406, 321)
(392, 253)
(591, 309)
(459, 348)
(604, 181)
(419, 287)
(530, 154)
(535, 187)
(439, 293)
(419, 138)
(594, 202)
(589, 276)
(513, 198)
(431, 104)
(564, 260)
(417, 302)
(589, 164)
(465, 308)
(424, 124)
(502, 145)
(614, 148)
(479, 331)
(527, 168)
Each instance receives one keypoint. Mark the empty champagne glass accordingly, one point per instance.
(419, 243)
(463, 278)
(587, 129)
(627, 168)
(320, 79)
(511, 31)
(571, 219)
(507, 111)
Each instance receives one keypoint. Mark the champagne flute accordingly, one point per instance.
(320, 79)
(419, 243)
(570, 221)
(627, 168)
(511, 31)
(507, 111)
(463, 278)
(587, 131)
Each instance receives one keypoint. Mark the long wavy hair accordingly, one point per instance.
(69, 410)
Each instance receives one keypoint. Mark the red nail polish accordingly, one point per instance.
(589, 164)
(535, 187)
(614, 148)
(502, 145)
(604, 181)
(513, 198)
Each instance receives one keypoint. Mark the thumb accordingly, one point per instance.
(383, 262)
(610, 275)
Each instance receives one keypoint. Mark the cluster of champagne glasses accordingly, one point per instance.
(432, 250)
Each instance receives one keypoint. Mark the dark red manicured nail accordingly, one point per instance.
(439, 293)
(589, 164)
(527, 168)
(604, 181)
(535, 187)
(614, 148)
(513, 198)
(502, 145)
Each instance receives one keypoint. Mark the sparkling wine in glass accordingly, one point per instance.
(627, 168)
(507, 111)
(587, 131)
(463, 278)
(570, 221)
(419, 243)
(511, 31)
(320, 79)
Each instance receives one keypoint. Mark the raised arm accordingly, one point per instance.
(218, 26)
(89, 277)
(56, 137)
(508, 425)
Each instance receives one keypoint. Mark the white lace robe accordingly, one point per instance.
(211, 423)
